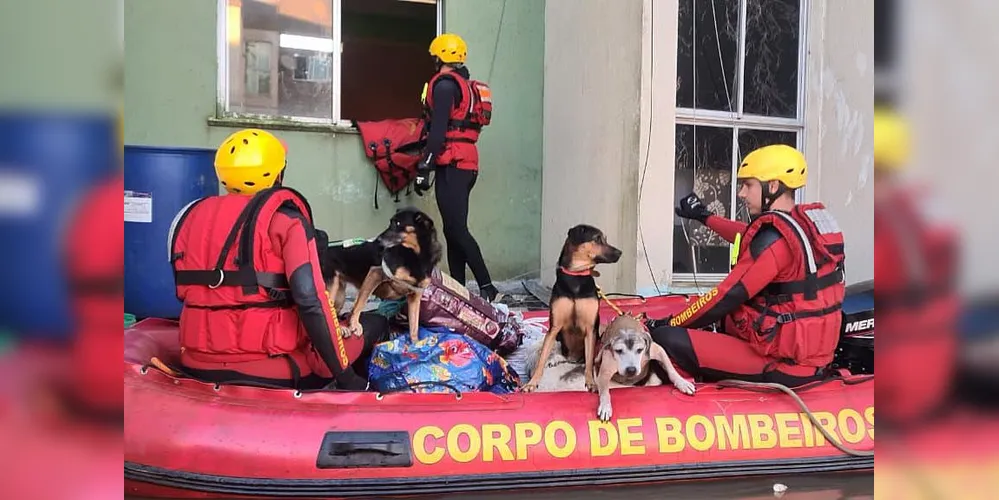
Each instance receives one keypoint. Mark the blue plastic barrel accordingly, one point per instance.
(159, 182)
(48, 161)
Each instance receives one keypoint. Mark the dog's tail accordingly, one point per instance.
(532, 352)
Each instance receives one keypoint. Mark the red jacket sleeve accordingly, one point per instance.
(305, 280)
(749, 276)
(726, 228)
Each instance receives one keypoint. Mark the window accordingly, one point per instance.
(739, 86)
(280, 58)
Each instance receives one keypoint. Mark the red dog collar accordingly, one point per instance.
(584, 272)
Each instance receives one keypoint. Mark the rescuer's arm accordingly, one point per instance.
(305, 280)
(726, 228)
(444, 93)
(755, 270)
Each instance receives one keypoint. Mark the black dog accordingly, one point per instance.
(574, 317)
(397, 264)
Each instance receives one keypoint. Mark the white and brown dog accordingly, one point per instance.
(626, 349)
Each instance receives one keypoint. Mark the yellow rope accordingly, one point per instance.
(600, 293)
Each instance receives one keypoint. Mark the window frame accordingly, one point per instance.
(739, 120)
(223, 112)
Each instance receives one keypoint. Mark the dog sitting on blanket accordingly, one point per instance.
(623, 360)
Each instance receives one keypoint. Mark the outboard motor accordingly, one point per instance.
(855, 351)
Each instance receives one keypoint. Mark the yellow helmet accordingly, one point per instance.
(777, 162)
(891, 140)
(449, 48)
(250, 161)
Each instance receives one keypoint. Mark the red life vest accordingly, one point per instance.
(798, 321)
(95, 264)
(231, 279)
(473, 111)
(916, 257)
(395, 148)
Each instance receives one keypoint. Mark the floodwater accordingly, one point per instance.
(800, 487)
(845, 486)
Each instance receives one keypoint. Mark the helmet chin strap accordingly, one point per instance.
(769, 197)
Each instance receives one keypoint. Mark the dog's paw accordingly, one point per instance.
(356, 329)
(529, 387)
(344, 331)
(591, 386)
(685, 386)
(604, 411)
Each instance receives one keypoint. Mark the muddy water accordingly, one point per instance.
(801, 487)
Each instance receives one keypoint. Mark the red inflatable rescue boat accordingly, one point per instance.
(188, 439)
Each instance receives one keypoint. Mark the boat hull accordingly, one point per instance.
(188, 439)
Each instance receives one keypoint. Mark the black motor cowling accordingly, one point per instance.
(855, 351)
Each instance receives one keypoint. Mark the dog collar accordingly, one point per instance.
(391, 277)
(584, 272)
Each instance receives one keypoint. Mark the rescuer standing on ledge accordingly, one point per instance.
(455, 108)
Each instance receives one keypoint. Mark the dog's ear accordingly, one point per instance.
(565, 258)
(424, 220)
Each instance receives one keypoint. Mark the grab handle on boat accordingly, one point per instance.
(343, 449)
(353, 449)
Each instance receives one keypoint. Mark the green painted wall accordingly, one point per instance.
(170, 93)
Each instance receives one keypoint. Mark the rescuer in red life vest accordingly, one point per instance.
(915, 258)
(95, 260)
(456, 108)
(780, 306)
(247, 272)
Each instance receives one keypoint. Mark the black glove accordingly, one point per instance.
(423, 181)
(424, 175)
(691, 207)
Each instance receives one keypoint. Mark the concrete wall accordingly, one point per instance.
(64, 61)
(653, 265)
(839, 130)
(593, 70)
(949, 91)
(171, 94)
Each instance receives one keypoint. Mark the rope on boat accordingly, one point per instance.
(742, 384)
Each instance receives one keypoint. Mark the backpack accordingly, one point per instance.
(481, 110)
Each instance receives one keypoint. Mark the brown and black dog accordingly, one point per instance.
(574, 317)
(396, 264)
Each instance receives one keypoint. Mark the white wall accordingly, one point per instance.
(949, 87)
(593, 61)
(839, 134)
(658, 158)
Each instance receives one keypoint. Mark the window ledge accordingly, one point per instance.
(277, 123)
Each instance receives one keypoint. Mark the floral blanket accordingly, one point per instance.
(441, 361)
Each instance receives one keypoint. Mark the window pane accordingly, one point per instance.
(772, 39)
(385, 58)
(280, 57)
(704, 166)
(716, 44)
(753, 139)
(258, 68)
